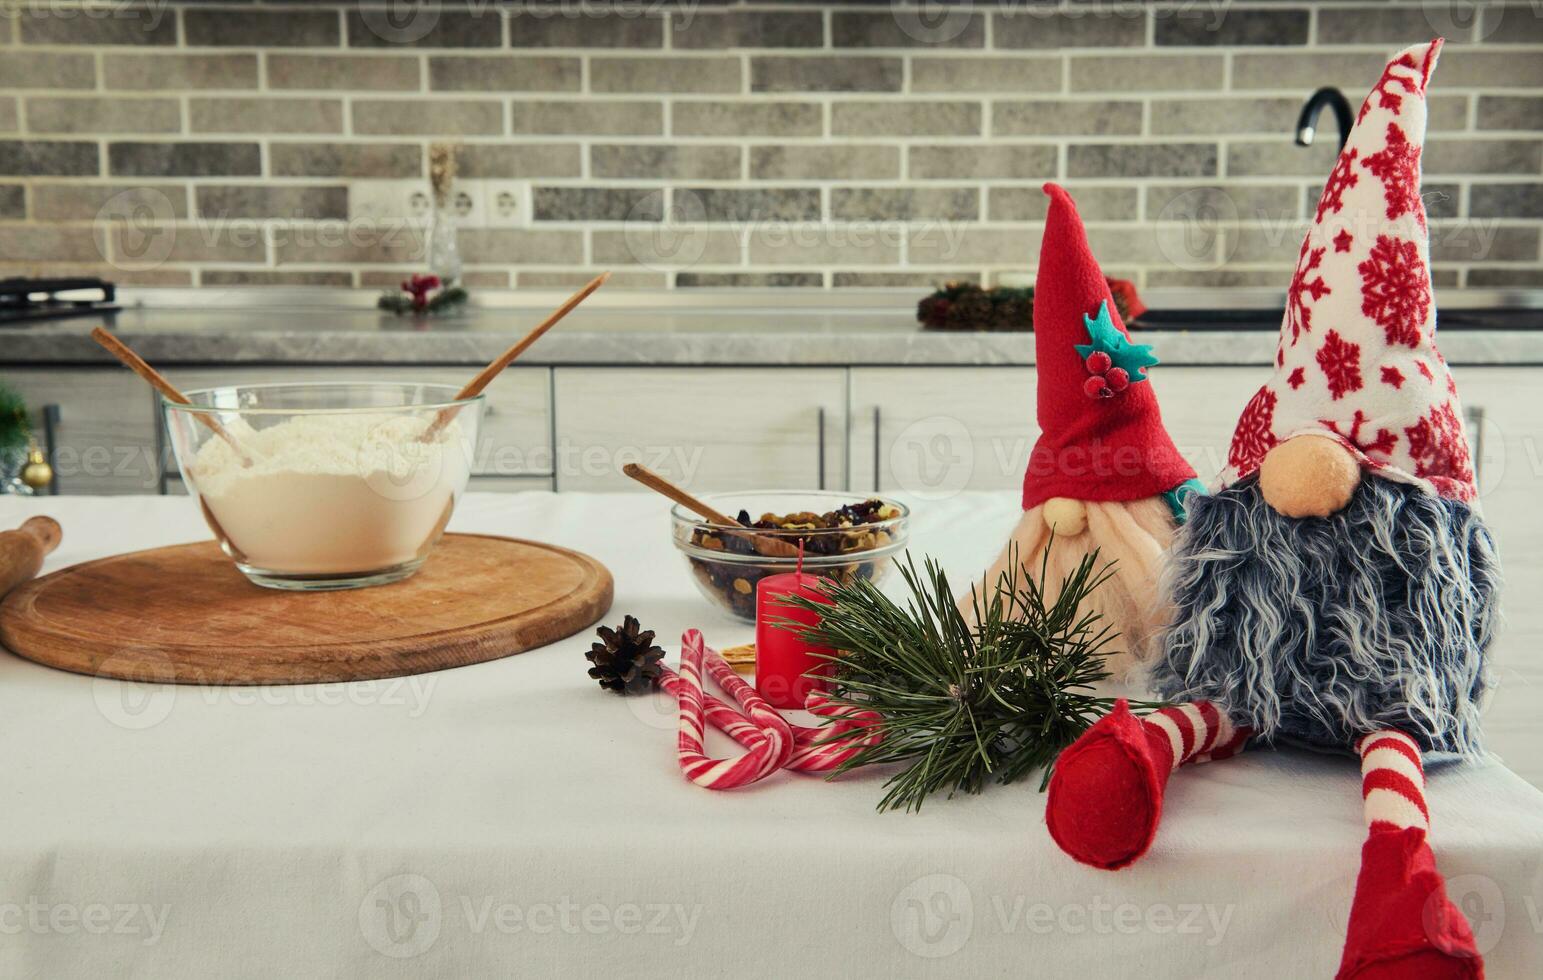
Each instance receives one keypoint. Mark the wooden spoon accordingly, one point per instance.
(486, 375)
(135, 363)
(765, 544)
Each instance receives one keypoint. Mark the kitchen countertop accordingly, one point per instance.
(645, 334)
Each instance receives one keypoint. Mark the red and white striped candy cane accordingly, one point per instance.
(860, 727)
(771, 743)
(724, 717)
(757, 762)
(800, 752)
(807, 756)
(761, 714)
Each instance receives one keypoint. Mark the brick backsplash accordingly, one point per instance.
(736, 143)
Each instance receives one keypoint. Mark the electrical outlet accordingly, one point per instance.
(506, 203)
(390, 200)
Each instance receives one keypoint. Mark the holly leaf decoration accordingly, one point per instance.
(1107, 337)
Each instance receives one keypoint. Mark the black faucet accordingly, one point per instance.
(1307, 122)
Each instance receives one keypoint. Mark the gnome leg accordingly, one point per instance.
(1402, 924)
(1106, 793)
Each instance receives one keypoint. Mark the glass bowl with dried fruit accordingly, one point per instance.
(844, 537)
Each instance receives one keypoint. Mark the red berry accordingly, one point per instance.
(1118, 379)
(1098, 362)
(1096, 387)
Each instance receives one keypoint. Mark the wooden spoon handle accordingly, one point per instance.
(137, 364)
(486, 375)
(659, 484)
(765, 544)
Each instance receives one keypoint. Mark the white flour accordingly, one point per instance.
(331, 494)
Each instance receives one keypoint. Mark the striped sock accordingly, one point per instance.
(1392, 782)
(1195, 733)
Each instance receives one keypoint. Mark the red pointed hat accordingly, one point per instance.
(1101, 434)
(1357, 359)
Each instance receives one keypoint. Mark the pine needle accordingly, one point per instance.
(964, 706)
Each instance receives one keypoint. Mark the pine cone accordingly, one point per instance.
(626, 660)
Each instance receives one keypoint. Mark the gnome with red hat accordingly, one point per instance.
(1339, 590)
(1104, 474)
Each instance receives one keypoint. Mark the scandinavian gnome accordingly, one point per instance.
(1103, 474)
(1339, 590)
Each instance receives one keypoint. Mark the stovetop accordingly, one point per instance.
(25, 300)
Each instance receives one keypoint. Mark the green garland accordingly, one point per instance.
(443, 301)
(15, 430)
(964, 706)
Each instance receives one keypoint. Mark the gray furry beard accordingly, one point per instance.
(1323, 630)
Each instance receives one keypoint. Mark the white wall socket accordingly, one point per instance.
(507, 203)
(475, 203)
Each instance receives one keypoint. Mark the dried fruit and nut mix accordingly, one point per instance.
(847, 530)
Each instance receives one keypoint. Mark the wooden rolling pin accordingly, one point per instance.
(22, 551)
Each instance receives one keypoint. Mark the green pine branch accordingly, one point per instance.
(963, 706)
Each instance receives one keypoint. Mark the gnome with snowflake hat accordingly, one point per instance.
(1339, 590)
(1104, 474)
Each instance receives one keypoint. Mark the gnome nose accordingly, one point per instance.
(1065, 516)
(1308, 476)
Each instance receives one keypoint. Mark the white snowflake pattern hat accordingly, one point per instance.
(1357, 358)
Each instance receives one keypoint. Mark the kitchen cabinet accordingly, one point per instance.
(1505, 419)
(936, 431)
(97, 425)
(1201, 406)
(711, 429)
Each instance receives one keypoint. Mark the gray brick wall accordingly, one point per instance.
(734, 143)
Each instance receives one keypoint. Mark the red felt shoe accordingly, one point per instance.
(1402, 925)
(1106, 793)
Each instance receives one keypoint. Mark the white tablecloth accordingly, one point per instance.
(510, 819)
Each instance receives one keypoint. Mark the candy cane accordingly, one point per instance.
(816, 751)
(763, 715)
(771, 742)
(721, 716)
(758, 762)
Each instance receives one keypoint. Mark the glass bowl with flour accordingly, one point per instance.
(326, 486)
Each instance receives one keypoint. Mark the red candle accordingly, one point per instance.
(782, 656)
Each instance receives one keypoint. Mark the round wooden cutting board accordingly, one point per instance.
(185, 615)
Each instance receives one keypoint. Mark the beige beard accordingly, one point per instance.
(1134, 535)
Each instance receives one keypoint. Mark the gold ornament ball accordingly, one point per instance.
(37, 474)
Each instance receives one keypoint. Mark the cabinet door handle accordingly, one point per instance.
(51, 416)
(877, 453)
(1474, 415)
(819, 421)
